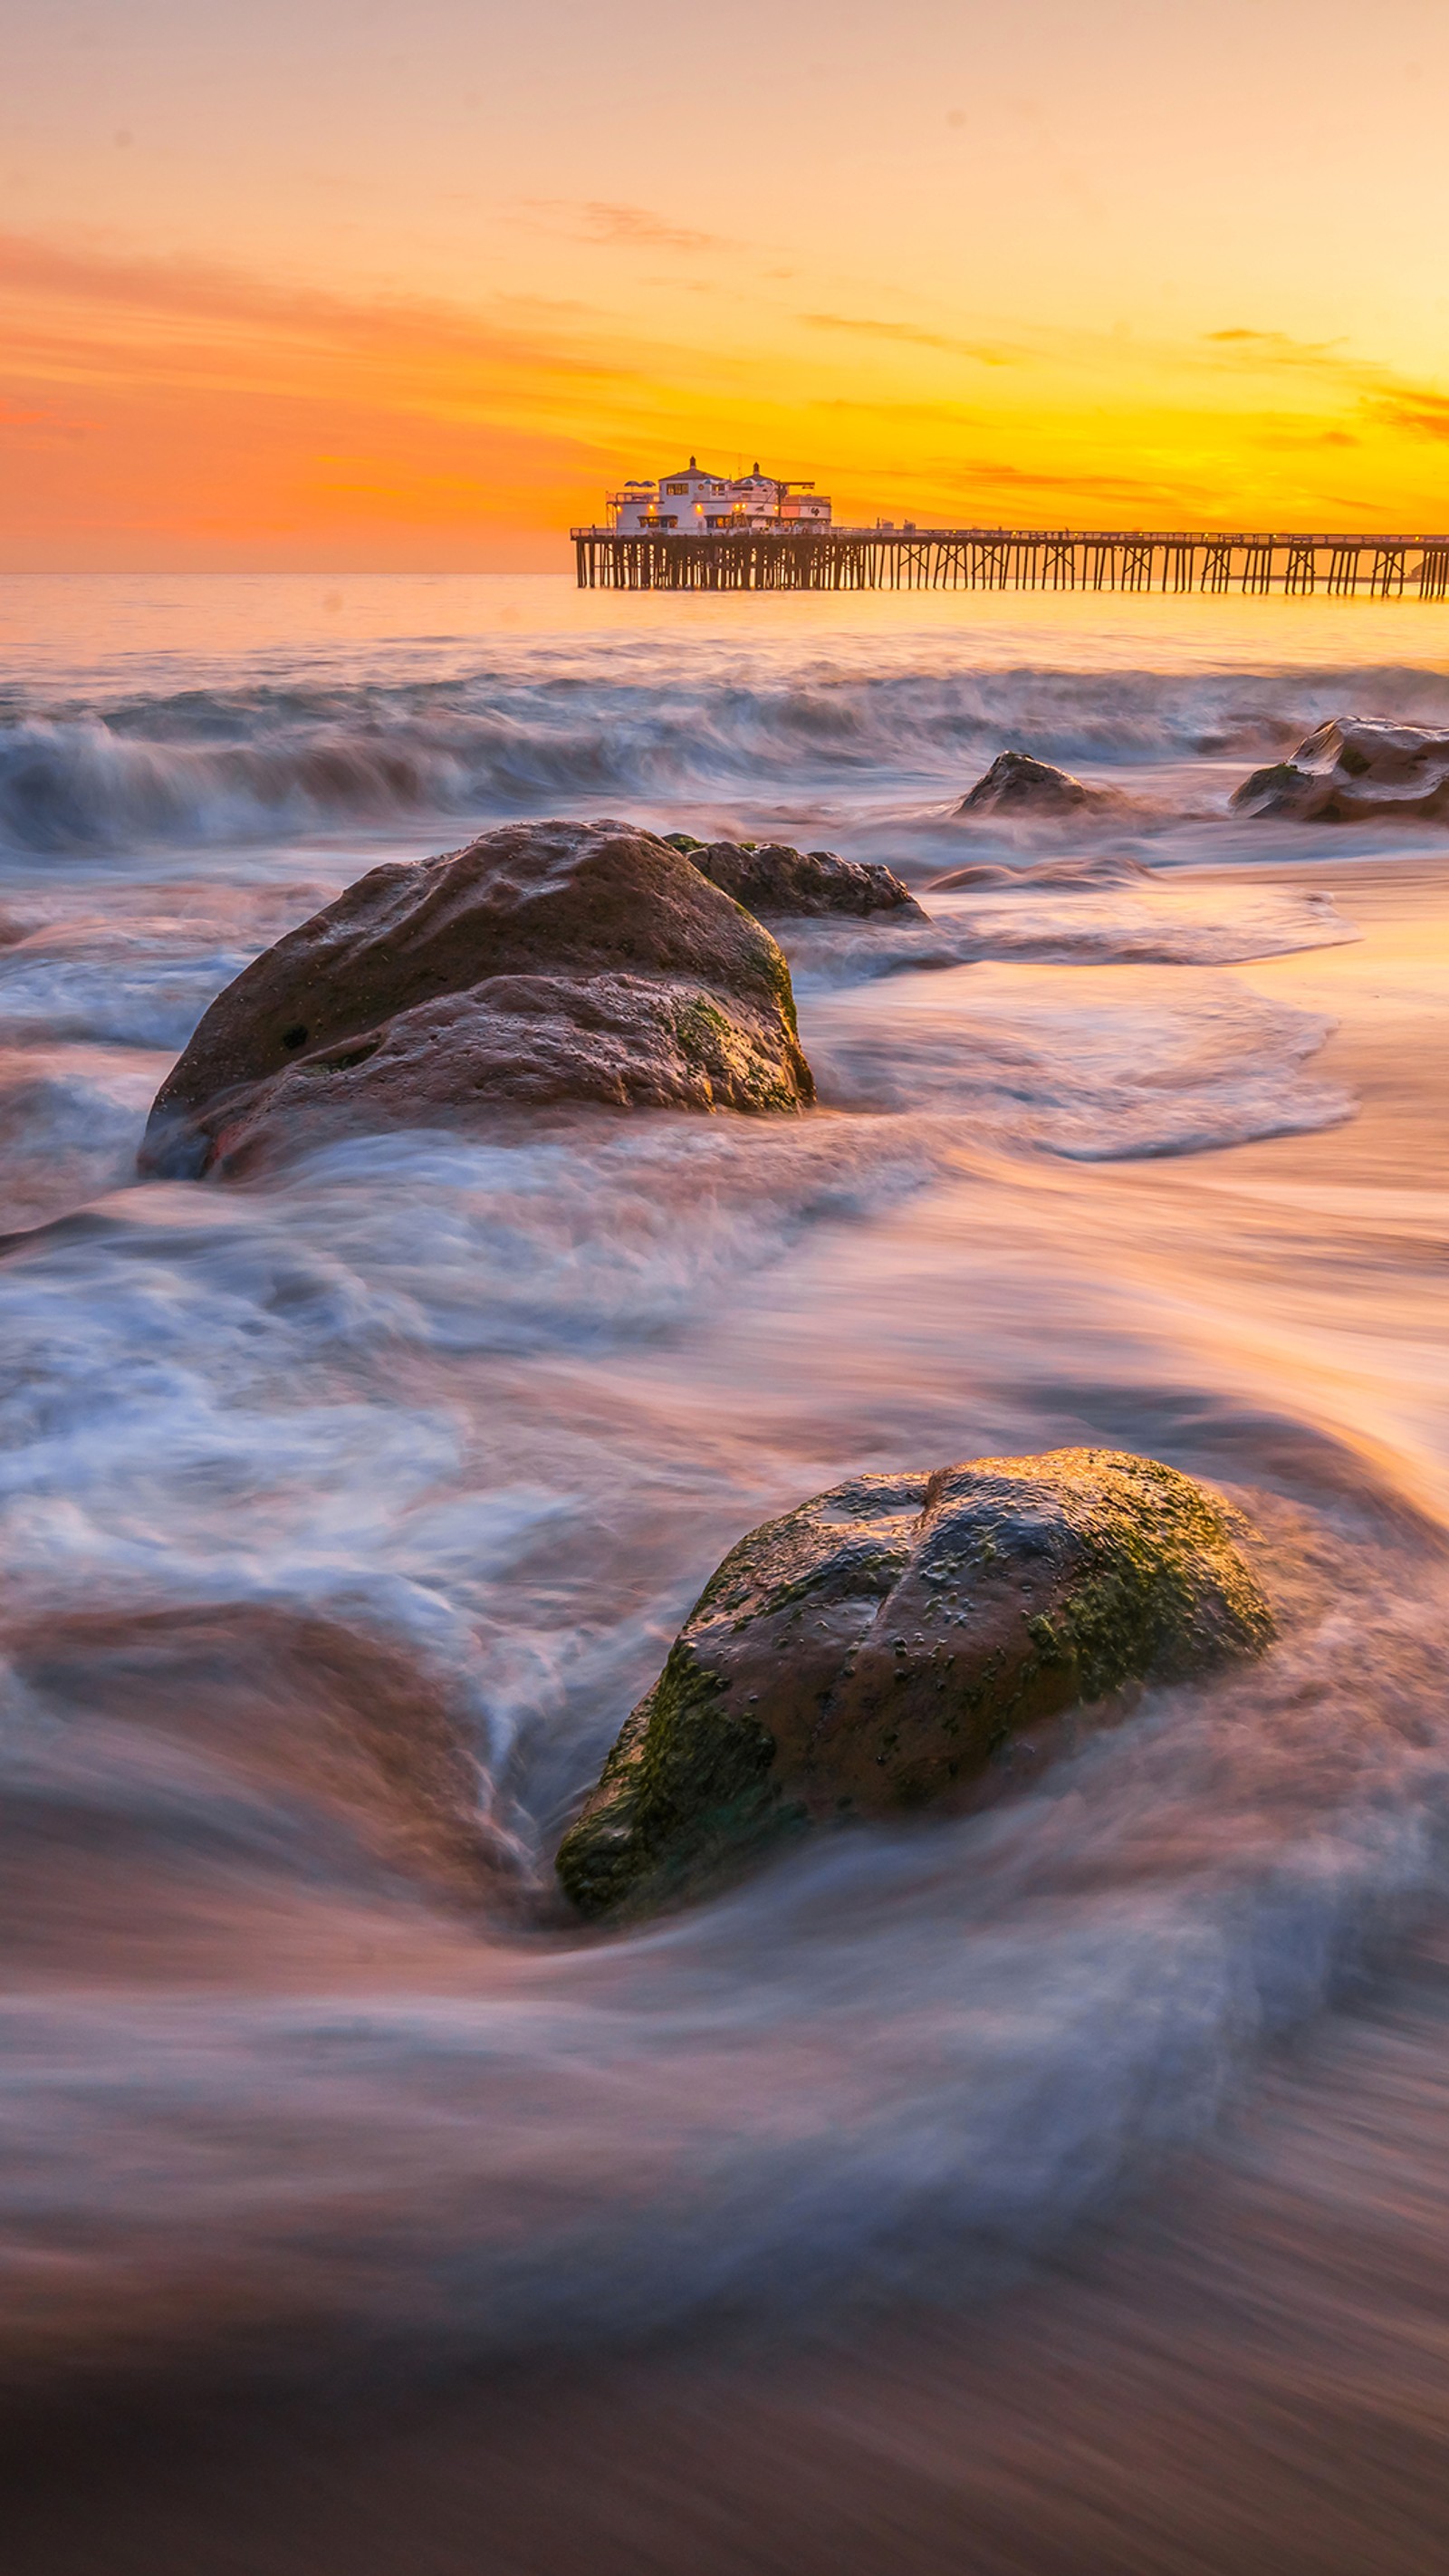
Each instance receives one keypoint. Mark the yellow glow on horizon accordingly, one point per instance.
(352, 319)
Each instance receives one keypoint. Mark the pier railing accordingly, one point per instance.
(1014, 559)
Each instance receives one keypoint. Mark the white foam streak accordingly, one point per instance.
(445, 1429)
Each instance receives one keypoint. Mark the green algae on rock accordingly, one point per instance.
(1355, 769)
(868, 1653)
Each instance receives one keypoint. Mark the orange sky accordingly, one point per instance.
(363, 287)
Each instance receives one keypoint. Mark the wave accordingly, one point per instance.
(1184, 1064)
(222, 766)
(1154, 925)
(937, 2049)
(70, 1122)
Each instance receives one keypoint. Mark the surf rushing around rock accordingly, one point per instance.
(613, 1089)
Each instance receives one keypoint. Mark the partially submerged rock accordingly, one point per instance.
(1355, 769)
(868, 1653)
(545, 962)
(770, 877)
(1017, 784)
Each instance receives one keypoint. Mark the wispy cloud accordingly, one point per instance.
(1296, 436)
(181, 409)
(1383, 398)
(981, 483)
(619, 227)
(984, 353)
(79, 311)
(15, 415)
(1424, 414)
(1114, 491)
(209, 409)
(1277, 346)
(117, 286)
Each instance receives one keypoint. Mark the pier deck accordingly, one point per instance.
(1014, 559)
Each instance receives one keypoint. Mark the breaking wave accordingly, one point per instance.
(226, 765)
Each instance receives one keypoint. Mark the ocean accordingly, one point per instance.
(439, 1433)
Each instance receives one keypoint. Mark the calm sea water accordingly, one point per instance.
(448, 1424)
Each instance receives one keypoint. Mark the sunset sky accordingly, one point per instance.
(365, 286)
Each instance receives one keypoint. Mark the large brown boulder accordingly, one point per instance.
(769, 877)
(1356, 769)
(869, 1652)
(545, 962)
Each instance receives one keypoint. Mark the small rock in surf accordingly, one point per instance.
(1355, 769)
(1017, 784)
(870, 1652)
(770, 877)
(546, 962)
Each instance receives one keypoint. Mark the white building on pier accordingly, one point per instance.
(693, 503)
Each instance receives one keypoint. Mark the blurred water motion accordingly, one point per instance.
(1055, 2187)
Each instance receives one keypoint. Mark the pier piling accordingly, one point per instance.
(1175, 561)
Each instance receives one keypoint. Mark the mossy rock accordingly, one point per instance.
(868, 1654)
(1356, 769)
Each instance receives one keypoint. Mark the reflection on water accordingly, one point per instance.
(345, 1513)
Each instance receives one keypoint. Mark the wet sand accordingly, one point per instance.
(1249, 2372)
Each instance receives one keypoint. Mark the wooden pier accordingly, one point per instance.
(1014, 559)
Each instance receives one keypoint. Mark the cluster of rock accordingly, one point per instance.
(1353, 769)
(1356, 769)
(545, 962)
(552, 962)
(868, 1654)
